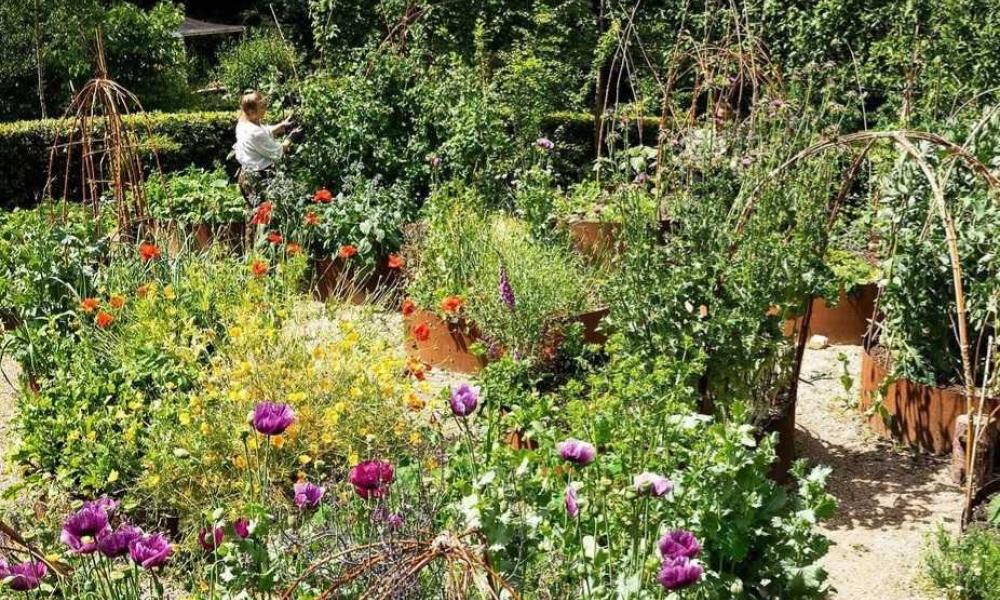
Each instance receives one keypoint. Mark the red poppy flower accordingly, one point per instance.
(347, 251)
(451, 304)
(421, 332)
(293, 249)
(408, 307)
(259, 268)
(116, 301)
(104, 320)
(148, 252)
(396, 261)
(322, 196)
(89, 304)
(312, 219)
(262, 214)
(274, 238)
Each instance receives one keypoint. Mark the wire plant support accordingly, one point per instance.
(97, 155)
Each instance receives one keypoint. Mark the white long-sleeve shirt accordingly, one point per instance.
(255, 147)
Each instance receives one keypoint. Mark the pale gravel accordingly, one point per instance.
(890, 498)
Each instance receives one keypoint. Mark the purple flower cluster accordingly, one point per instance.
(576, 451)
(308, 494)
(506, 290)
(89, 530)
(678, 570)
(653, 484)
(371, 478)
(464, 399)
(545, 143)
(272, 418)
(25, 576)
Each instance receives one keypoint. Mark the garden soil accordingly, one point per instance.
(890, 498)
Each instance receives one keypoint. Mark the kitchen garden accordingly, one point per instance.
(460, 350)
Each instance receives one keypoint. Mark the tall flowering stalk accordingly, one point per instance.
(506, 290)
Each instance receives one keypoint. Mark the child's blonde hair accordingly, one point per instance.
(251, 104)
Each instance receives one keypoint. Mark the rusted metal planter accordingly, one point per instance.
(596, 240)
(922, 416)
(591, 323)
(845, 323)
(442, 344)
(333, 277)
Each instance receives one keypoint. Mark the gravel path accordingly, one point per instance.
(890, 499)
(10, 371)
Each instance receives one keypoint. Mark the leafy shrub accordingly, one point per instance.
(462, 253)
(966, 568)
(196, 196)
(181, 139)
(261, 61)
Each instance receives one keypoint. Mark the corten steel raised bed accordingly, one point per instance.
(334, 277)
(845, 323)
(448, 345)
(922, 416)
(596, 240)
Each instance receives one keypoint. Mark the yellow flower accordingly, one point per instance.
(415, 402)
(415, 438)
(277, 441)
(327, 439)
(153, 480)
(52, 557)
(113, 476)
(352, 459)
(304, 459)
(252, 443)
(296, 397)
(184, 417)
(205, 429)
(168, 292)
(239, 461)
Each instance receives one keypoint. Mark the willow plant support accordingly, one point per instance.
(101, 152)
(904, 139)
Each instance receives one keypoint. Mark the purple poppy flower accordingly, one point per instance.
(679, 543)
(653, 484)
(577, 451)
(25, 576)
(150, 551)
(545, 143)
(241, 527)
(272, 418)
(506, 290)
(371, 478)
(679, 572)
(308, 494)
(394, 521)
(110, 505)
(572, 508)
(213, 542)
(464, 399)
(81, 530)
(115, 544)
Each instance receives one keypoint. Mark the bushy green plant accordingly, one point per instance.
(261, 61)
(194, 196)
(467, 249)
(966, 568)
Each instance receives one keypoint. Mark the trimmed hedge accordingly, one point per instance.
(181, 139)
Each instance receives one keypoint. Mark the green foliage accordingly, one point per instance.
(461, 254)
(181, 140)
(142, 53)
(967, 568)
(262, 61)
(194, 196)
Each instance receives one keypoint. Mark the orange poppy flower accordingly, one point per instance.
(89, 304)
(312, 219)
(293, 249)
(347, 251)
(421, 332)
(396, 261)
(148, 252)
(104, 320)
(116, 301)
(322, 196)
(142, 291)
(451, 304)
(262, 214)
(408, 307)
(274, 238)
(259, 268)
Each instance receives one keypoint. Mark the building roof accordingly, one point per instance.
(195, 28)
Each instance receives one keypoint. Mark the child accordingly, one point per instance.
(256, 149)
